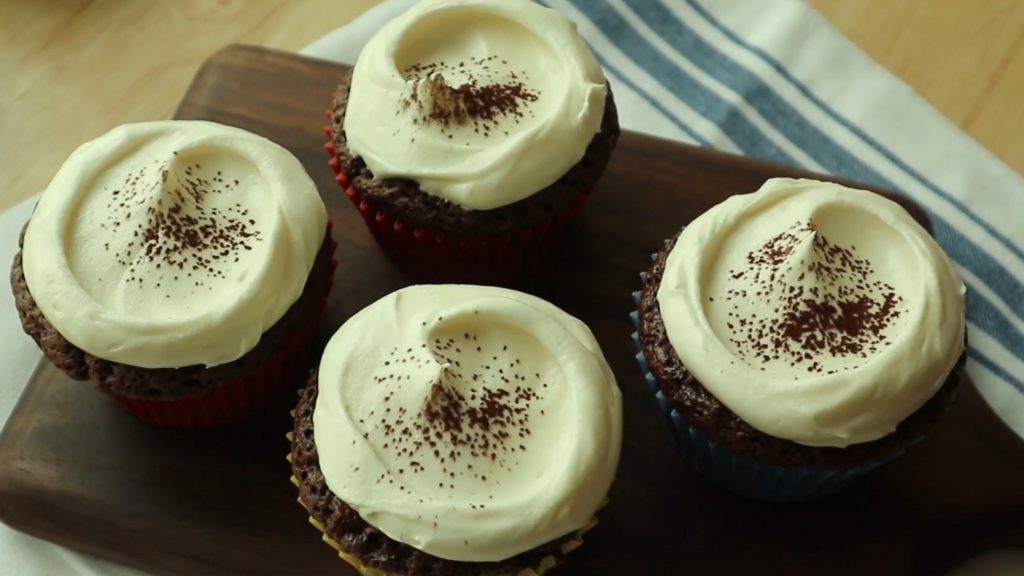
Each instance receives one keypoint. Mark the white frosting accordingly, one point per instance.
(494, 481)
(828, 334)
(481, 165)
(169, 244)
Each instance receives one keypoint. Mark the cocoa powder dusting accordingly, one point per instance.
(181, 236)
(479, 99)
(835, 307)
(477, 411)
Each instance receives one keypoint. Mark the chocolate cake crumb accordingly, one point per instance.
(701, 409)
(405, 200)
(371, 546)
(166, 383)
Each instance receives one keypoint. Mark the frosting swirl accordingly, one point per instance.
(817, 313)
(472, 423)
(170, 244)
(481, 102)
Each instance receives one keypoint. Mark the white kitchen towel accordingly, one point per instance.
(770, 80)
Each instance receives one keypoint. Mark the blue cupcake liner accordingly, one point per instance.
(737, 473)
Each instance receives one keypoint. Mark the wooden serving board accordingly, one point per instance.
(76, 470)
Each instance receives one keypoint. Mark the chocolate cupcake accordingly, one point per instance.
(799, 337)
(455, 429)
(468, 149)
(179, 266)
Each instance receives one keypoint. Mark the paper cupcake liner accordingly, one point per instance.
(242, 398)
(438, 256)
(542, 567)
(735, 472)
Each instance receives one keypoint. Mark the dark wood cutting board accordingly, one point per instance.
(76, 470)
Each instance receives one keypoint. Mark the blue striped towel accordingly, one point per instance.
(740, 78)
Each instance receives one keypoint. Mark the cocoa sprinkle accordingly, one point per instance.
(484, 104)
(835, 306)
(471, 412)
(181, 234)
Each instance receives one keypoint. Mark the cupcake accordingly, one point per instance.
(468, 148)
(799, 337)
(457, 429)
(179, 266)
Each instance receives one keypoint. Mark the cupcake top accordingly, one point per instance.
(817, 313)
(481, 102)
(171, 244)
(472, 423)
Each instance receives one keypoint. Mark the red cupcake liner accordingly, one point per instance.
(245, 397)
(441, 257)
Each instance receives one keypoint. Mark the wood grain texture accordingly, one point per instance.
(965, 58)
(76, 68)
(76, 470)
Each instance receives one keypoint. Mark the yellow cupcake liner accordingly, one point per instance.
(545, 564)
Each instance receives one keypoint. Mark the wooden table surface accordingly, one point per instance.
(74, 69)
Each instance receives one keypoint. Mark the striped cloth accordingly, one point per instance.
(781, 85)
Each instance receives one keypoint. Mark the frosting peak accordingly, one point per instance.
(817, 313)
(801, 304)
(481, 102)
(183, 240)
(470, 422)
(432, 100)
